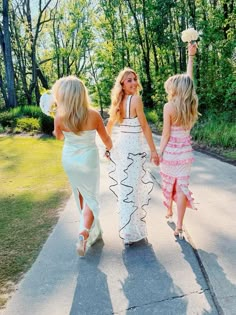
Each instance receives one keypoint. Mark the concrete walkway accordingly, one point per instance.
(166, 276)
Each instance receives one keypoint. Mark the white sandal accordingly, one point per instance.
(81, 244)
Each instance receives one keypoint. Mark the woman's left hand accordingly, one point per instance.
(192, 49)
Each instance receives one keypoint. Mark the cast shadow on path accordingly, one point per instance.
(149, 288)
(192, 256)
(222, 289)
(91, 293)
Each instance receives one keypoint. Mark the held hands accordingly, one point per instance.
(154, 158)
(107, 154)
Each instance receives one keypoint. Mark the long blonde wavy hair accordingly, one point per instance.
(117, 94)
(182, 94)
(72, 102)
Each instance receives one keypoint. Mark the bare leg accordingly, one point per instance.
(181, 207)
(87, 216)
(88, 221)
(170, 209)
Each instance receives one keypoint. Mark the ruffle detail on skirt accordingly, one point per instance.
(179, 162)
(132, 187)
(168, 183)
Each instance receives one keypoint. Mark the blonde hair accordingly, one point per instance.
(182, 94)
(117, 94)
(73, 102)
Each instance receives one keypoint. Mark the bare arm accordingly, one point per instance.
(57, 132)
(166, 128)
(109, 126)
(146, 129)
(106, 139)
(192, 49)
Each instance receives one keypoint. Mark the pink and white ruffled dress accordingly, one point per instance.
(176, 166)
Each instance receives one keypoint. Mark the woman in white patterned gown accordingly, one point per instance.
(77, 123)
(132, 182)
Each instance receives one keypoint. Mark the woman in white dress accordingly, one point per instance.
(132, 182)
(77, 123)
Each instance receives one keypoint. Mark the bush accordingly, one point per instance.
(27, 124)
(7, 119)
(151, 115)
(215, 131)
(26, 119)
(46, 124)
(26, 111)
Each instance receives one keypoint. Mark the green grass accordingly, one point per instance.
(215, 133)
(231, 155)
(34, 188)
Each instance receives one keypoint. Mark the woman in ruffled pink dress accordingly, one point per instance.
(179, 116)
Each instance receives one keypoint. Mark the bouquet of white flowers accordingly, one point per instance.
(190, 35)
(47, 104)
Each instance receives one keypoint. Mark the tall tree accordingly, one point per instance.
(5, 42)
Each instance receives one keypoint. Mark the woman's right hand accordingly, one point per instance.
(155, 158)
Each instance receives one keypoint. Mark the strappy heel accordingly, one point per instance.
(169, 218)
(179, 233)
(81, 244)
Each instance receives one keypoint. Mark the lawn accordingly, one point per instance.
(34, 189)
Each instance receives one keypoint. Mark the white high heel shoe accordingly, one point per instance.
(81, 244)
(179, 233)
(169, 218)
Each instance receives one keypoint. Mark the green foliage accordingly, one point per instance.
(215, 130)
(26, 119)
(7, 119)
(47, 124)
(27, 111)
(151, 115)
(95, 42)
(27, 124)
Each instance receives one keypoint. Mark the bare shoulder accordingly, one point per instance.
(136, 99)
(169, 108)
(94, 114)
(94, 118)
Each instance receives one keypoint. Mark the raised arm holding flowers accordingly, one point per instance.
(179, 116)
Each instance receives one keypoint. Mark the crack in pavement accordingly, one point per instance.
(160, 301)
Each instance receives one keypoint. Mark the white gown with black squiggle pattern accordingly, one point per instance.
(131, 181)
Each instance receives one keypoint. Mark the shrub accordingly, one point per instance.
(7, 119)
(27, 111)
(151, 116)
(27, 124)
(215, 131)
(46, 124)
(25, 119)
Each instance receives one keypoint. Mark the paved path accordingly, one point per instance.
(167, 276)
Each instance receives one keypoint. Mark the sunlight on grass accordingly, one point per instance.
(34, 188)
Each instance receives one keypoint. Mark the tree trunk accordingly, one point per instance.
(7, 55)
